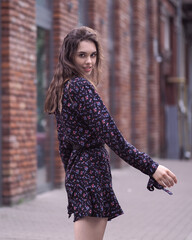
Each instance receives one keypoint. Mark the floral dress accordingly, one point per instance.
(84, 127)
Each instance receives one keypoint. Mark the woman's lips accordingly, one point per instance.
(87, 69)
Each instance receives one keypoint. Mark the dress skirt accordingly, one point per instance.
(89, 185)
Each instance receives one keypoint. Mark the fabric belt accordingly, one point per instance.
(78, 147)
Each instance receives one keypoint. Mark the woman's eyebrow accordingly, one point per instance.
(86, 52)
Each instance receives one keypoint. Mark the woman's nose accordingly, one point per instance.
(88, 59)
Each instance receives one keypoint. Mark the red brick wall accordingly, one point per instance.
(122, 98)
(153, 85)
(98, 21)
(18, 100)
(139, 92)
(64, 20)
(122, 67)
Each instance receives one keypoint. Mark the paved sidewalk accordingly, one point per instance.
(147, 215)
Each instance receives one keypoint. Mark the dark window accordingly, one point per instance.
(45, 126)
(83, 12)
(44, 3)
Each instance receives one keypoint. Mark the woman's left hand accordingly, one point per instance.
(164, 176)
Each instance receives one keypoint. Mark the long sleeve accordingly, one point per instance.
(65, 148)
(94, 113)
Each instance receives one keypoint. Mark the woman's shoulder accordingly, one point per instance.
(79, 83)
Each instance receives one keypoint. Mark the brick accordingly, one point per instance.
(18, 42)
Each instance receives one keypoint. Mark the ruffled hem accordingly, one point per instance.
(93, 202)
(79, 216)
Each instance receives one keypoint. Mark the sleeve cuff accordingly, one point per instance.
(152, 184)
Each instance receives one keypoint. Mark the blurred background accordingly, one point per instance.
(146, 82)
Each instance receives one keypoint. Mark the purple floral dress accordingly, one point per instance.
(84, 126)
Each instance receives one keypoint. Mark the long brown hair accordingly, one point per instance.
(66, 69)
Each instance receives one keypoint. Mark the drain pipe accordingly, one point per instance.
(180, 75)
(132, 57)
(1, 184)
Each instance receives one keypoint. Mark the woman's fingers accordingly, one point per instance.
(162, 183)
(169, 178)
(168, 181)
(164, 176)
(172, 175)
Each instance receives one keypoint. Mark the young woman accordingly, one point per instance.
(84, 125)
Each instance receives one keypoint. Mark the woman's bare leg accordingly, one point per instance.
(90, 228)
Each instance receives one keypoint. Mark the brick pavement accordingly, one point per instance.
(148, 215)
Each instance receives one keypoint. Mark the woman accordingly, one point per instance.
(84, 125)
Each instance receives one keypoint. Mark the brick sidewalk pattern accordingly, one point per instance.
(147, 215)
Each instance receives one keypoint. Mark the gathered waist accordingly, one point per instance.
(78, 147)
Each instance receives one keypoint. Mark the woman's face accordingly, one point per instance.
(86, 56)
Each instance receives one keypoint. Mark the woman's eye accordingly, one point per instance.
(94, 55)
(82, 55)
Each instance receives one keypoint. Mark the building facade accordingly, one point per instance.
(146, 82)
